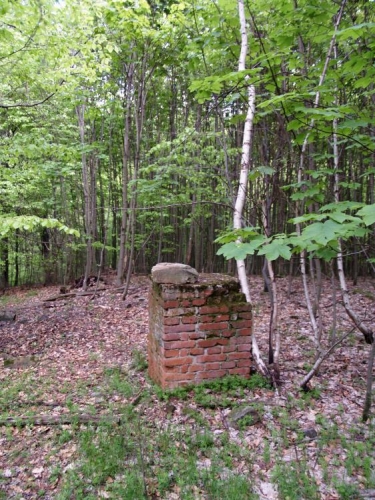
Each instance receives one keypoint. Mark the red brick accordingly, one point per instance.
(177, 376)
(238, 355)
(245, 315)
(208, 342)
(179, 328)
(243, 362)
(206, 318)
(184, 368)
(183, 352)
(178, 361)
(244, 331)
(221, 317)
(169, 304)
(241, 308)
(214, 326)
(199, 302)
(227, 333)
(211, 374)
(172, 353)
(214, 309)
(179, 311)
(188, 295)
(181, 344)
(214, 350)
(214, 318)
(239, 371)
(212, 366)
(171, 321)
(240, 324)
(244, 347)
(230, 348)
(207, 358)
(185, 303)
(175, 336)
(212, 342)
(196, 351)
(197, 335)
(189, 319)
(195, 367)
(228, 364)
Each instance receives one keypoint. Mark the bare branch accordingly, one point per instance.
(27, 104)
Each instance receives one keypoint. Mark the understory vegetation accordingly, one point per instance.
(80, 419)
(140, 457)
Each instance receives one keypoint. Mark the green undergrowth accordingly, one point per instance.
(136, 460)
(149, 454)
(219, 393)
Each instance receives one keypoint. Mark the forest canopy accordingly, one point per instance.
(121, 127)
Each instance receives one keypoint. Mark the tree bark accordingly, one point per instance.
(243, 180)
(125, 174)
(89, 192)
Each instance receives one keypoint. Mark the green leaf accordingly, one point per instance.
(233, 251)
(341, 206)
(307, 217)
(277, 248)
(239, 251)
(309, 193)
(322, 232)
(32, 223)
(368, 214)
(354, 31)
(261, 170)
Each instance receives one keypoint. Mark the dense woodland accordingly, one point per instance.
(233, 136)
(122, 126)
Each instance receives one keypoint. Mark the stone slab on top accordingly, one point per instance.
(177, 274)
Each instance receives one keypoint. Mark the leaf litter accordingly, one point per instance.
(56, 362)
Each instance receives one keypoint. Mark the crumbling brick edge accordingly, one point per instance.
(198, 331)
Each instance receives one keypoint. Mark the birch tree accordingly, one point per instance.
(244, 173)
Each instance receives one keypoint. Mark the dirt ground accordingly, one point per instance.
(55, 348)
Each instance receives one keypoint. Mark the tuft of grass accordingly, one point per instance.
(294, 482)
(118, 382)
(347, 491)
(139, 360)
(215, 393)
(135, 461)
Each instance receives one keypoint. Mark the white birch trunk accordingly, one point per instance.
(243, 180)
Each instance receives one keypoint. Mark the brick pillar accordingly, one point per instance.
(198, 331)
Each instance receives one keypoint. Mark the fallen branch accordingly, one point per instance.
(74, 294)
(94, 292)
(323, 355)
(60, 420)
(60, 296)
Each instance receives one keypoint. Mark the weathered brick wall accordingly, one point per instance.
(198, 331)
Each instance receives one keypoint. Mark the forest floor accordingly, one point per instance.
(81, 420)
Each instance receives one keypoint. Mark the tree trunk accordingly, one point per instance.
(245, 167)
(125, 174)
(89, 187)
